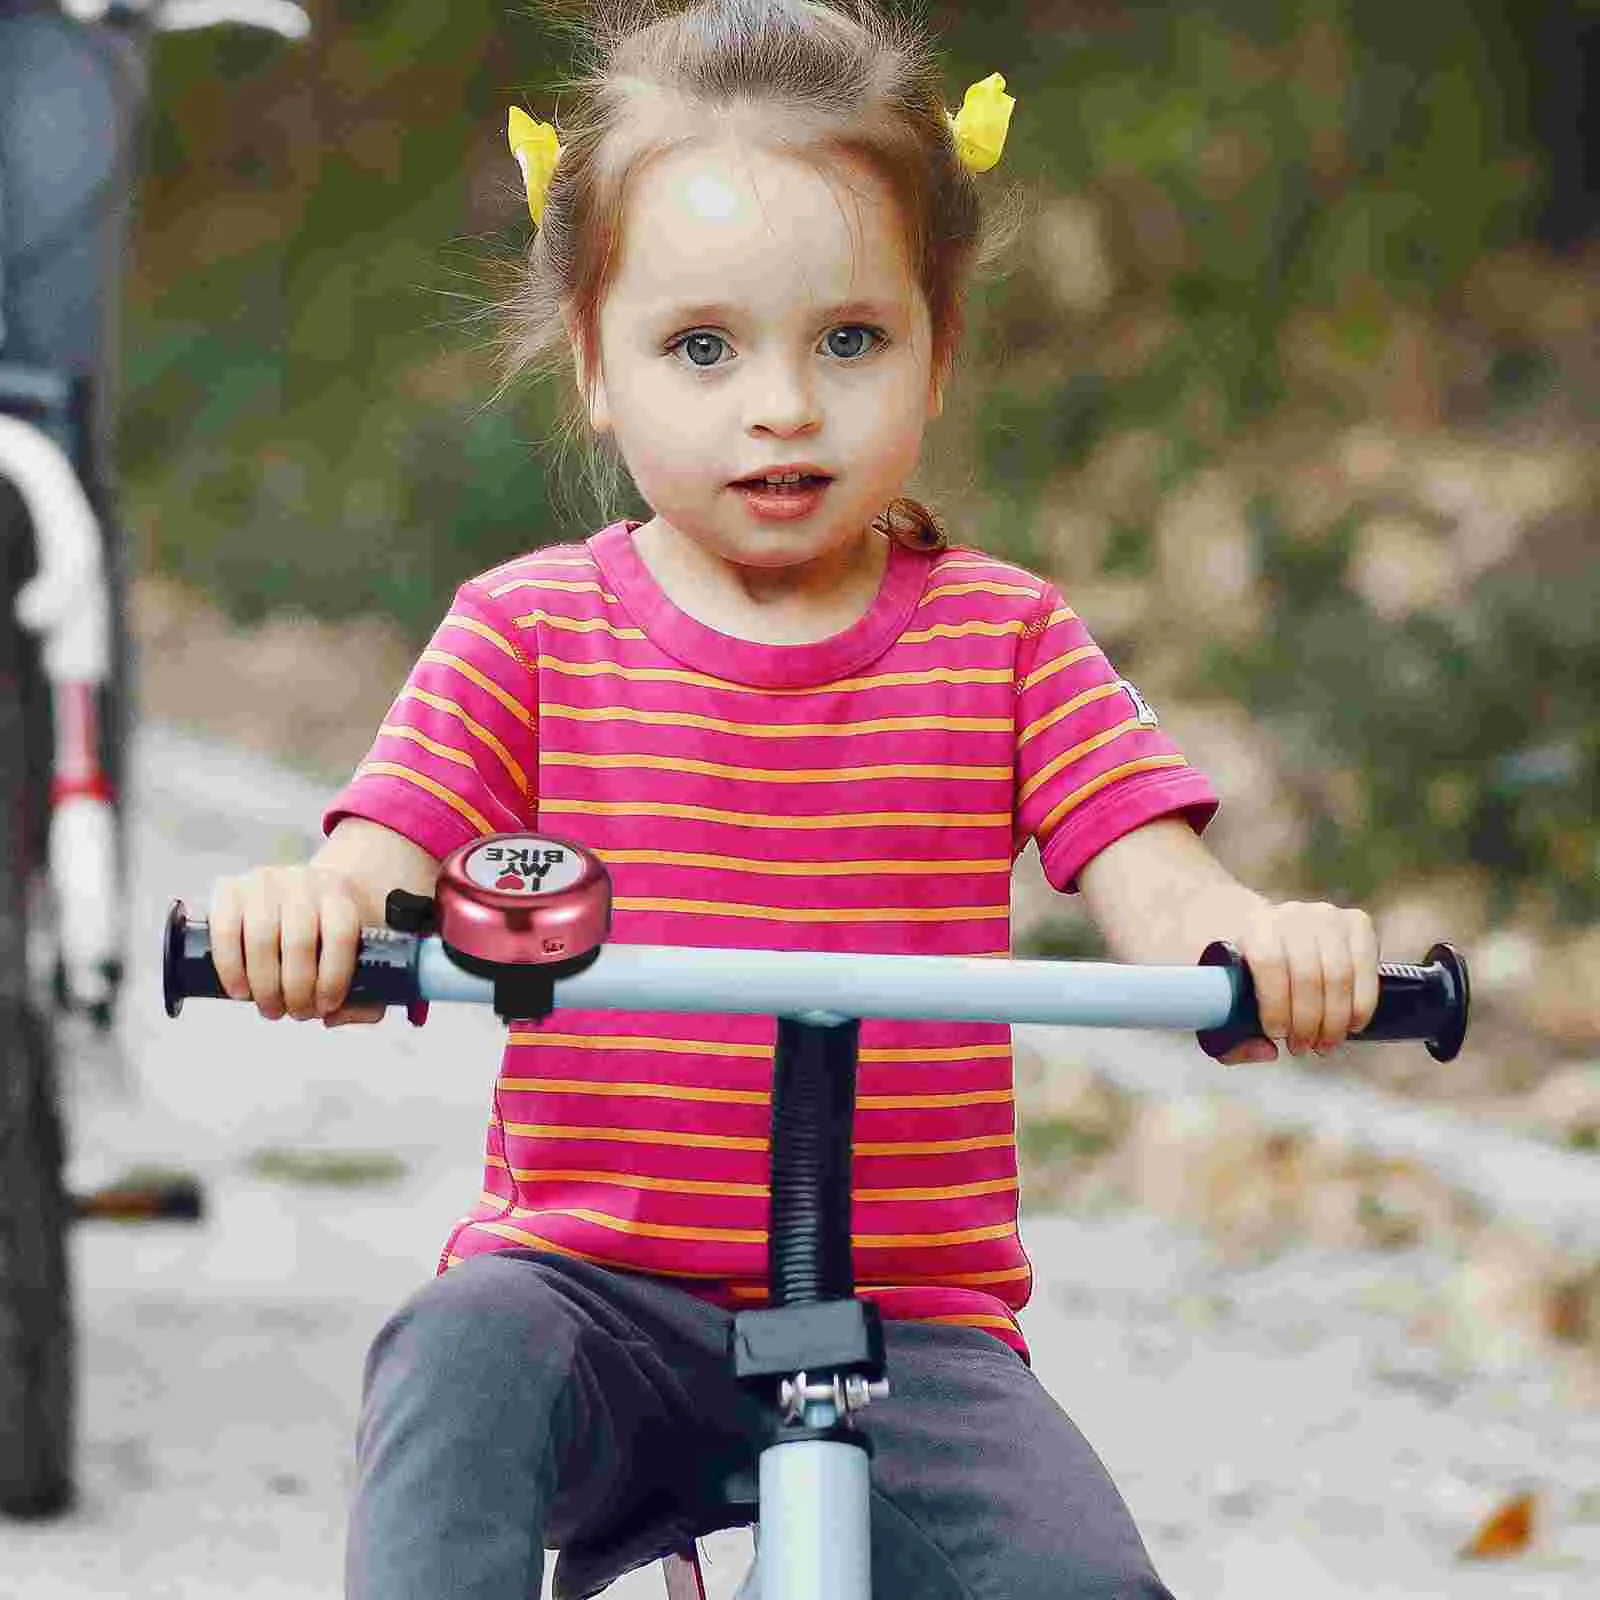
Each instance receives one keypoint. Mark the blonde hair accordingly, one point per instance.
(842, 78)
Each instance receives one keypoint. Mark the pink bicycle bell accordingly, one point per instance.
(524, 910)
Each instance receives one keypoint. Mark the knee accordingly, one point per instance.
(485, 1315)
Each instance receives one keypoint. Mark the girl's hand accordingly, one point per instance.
(1315, 968)
(287, 938)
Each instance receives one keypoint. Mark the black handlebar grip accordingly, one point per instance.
(1428, 1003)
(385, 967)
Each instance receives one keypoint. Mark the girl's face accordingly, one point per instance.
(764, 316)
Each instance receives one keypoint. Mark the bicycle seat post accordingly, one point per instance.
(816, 1353)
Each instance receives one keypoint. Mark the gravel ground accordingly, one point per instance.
(1275, 1425)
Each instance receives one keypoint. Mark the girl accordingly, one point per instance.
(786, 713)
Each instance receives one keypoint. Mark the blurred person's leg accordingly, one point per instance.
(71, 106)
(71, 102)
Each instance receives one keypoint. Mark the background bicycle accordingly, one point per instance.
(72, 88)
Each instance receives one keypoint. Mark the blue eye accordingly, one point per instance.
(701, 345)
(857, 340)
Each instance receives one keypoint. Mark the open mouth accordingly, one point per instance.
(784, 482)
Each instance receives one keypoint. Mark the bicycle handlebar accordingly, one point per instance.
(1216, 998)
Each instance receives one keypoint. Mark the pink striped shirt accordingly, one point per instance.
(869, 793)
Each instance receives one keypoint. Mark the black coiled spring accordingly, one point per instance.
(813, 1114)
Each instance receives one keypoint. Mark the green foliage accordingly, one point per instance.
(285, 438)
(1256, 164)
(1469, 737)
(1062, 939)
(1044, 1141)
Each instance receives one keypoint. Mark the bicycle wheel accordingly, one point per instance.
(37, 1400)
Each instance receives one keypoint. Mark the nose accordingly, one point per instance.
(783, 397)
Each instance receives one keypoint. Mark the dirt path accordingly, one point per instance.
(1275, 1425)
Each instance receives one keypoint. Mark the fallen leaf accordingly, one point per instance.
(1508, 1532)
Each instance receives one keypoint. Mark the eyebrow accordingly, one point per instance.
(710, 311)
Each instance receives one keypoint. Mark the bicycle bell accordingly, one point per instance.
(524, 910)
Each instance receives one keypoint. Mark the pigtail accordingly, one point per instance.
(912, 524)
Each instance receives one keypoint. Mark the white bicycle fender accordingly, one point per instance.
(82, 877)
(65, 601)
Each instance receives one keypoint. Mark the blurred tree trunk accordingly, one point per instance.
(1563, 54)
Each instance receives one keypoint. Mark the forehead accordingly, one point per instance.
(720, 221)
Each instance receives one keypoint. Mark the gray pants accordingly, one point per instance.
(525, 1400)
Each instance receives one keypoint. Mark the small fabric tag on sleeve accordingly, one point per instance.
(1146, 713)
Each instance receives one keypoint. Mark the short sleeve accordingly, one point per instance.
(455, 758)
(1093, 762)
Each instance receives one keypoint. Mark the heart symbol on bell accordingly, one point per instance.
(510, 881)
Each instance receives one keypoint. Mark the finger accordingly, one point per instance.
(1338, 983)
(341, 945)
(1264, 956)
(262, 960)
(297, 940)
(225, 920)
(1252, 1050)
(1365, 958)
(1304, 951)
(367, 1011)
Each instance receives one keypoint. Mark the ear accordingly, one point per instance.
(599, 409)
(595, 398)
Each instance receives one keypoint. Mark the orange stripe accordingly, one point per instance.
(703, 680)
(954, 1279)
(733, 908)
(693, 1141)
(799, 869)
(937, 1147)
(476, 729)
(532, 619)
(988, 586)
(720, 769)
(964, 630)
(537, 1241)
(1084, 747)
(907, 1285)
(715, 1141)
(745, 1097)
(719, 1188)
(953, 1191)
(650, 1091)
(757, 1236)
(644, 1041)
(627, 1180)
(645, 1230)
(831, 821)
(1078, 796)
(774, 730)
(443, 658)
(1076, 703)
(753, 1052)
(391, 769)
(484, 631)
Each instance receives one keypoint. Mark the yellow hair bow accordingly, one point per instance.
(537, 150)
(979, 128)
(980, 125)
